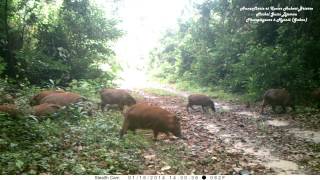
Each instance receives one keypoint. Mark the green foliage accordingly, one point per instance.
(44, 40)
(174, 155)
(218, 48)
(69, 141)
(60, 146)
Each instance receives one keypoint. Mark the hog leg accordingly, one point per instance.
(212, 107)
(102, 105)
(262, 107)
(189, 106)
(204, 110)
(155, 135)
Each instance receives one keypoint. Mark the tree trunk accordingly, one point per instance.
(10, 69)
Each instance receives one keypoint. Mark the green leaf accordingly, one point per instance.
(19, 164)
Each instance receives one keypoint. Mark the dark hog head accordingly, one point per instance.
(130, 101)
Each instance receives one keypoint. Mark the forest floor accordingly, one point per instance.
(234, 140)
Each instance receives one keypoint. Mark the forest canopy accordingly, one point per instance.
(59, 40)
(217, 47)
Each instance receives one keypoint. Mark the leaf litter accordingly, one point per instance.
(234, 140)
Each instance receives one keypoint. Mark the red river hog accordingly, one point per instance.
(45, 109)
(35, 100)
(116, 96)
(62, 99)
(201, 100)
(277, 97)
(144, 116)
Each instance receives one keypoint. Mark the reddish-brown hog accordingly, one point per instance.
(201, 100)
(45, 109)
(35, 100)
(116, 96)
(62, 99)
(277, 97)
(144, 116)
(10, 109)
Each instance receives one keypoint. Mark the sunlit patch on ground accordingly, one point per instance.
(249, 149)
(212, 128)
(278, 123)
(250, 114)
(279, 165)
(307, 135)
(287, 167)
(222, 106)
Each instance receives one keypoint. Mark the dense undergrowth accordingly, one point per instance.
(68, 142)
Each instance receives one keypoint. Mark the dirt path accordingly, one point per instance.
(235, 140)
